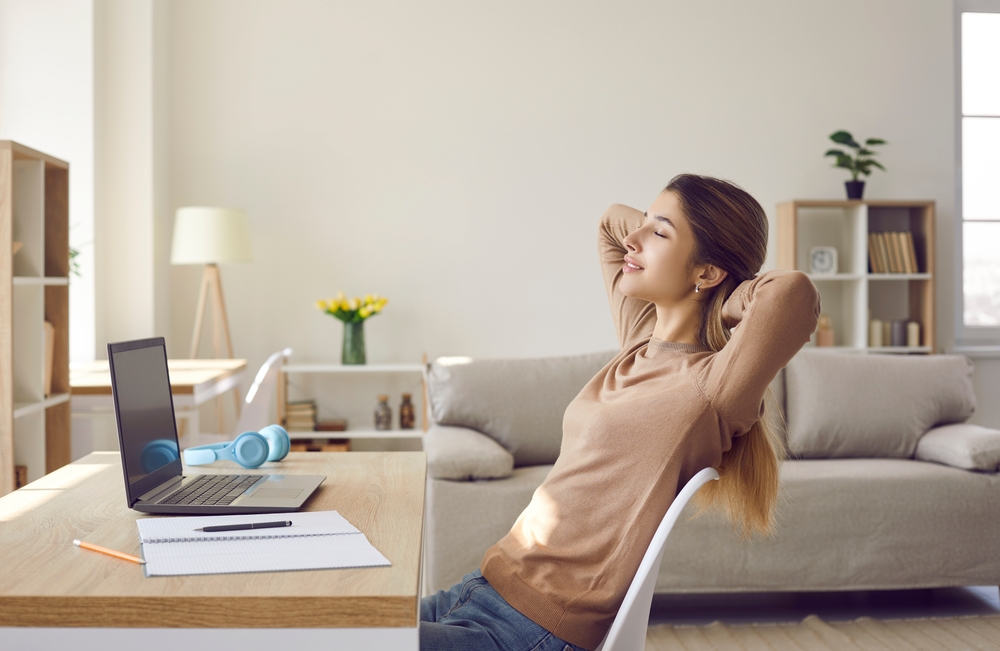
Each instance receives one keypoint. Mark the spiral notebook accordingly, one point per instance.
(316, 540)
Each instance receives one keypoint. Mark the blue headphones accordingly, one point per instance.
(250, 449)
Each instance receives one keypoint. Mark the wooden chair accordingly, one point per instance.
(628, 631)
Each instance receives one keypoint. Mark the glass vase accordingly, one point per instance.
(353, 350)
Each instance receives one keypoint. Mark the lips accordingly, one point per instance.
(631, 266)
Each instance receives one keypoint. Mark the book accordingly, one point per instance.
(871, 254)
(332, 425)
(913, 252)
(883, 251)
(316, 540)
(896, 263)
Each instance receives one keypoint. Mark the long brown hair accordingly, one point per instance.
(730, 230)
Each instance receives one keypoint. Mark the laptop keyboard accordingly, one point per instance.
(211, 490)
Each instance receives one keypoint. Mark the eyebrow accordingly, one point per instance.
(662, 219)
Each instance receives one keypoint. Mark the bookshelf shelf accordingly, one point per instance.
(34, 290)
(335, 368)
(855, 294)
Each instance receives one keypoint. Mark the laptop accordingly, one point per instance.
(147, 438)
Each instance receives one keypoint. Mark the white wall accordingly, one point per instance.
(47, 103)
(455, 157)
(452, 156)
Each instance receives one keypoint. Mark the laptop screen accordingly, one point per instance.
(144, 409)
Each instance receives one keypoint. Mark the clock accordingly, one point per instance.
(822, 260)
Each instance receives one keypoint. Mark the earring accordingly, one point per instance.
(697, 288)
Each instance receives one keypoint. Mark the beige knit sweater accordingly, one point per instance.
(646, 423)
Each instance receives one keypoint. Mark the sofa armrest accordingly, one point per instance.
(462, 453)
(961, 445)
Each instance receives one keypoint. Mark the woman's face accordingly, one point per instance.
(656, 264)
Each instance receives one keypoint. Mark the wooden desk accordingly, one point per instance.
(55, 595)
(193, 382)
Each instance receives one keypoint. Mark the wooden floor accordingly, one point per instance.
(829, 606)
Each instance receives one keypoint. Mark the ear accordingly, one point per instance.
(710, 276)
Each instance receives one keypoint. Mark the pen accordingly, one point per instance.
(252, 525)
(109, 552)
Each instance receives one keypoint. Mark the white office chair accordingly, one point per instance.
(256, 411)
(257, 406)
(628, 631)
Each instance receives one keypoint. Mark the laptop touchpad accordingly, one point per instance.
(277, 493)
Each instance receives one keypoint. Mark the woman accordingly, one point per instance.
(701, 339)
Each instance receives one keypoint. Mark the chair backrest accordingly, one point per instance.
(628, 631)
(256, 410)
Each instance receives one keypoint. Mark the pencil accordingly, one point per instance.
(109, 552)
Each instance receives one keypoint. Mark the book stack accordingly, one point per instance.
(300, 415)
(892, 252)
(332, 425)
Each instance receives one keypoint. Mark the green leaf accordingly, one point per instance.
(875, 141)
(865, 152)
(877, 164)
(834, 152)
(844, 138)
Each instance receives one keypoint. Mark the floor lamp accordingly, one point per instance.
(210, 236)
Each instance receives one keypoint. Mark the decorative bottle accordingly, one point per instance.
(406, 413)
(383, 413)
(824, 331)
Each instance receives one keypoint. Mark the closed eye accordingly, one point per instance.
(659, 235)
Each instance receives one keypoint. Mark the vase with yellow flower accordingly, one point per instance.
(353, 312)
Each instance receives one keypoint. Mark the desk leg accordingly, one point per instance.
(211, 639)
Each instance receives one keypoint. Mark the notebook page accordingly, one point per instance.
(263, 555)
(304, 523)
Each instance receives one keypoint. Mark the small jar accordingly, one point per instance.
(407, 416)
(383, 413)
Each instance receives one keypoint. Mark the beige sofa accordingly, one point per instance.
(887, 487)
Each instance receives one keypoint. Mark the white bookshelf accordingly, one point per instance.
(332, 368)
(854, 294)
(34, 289)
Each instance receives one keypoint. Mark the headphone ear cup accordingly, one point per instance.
(278, 442)
(250, 449)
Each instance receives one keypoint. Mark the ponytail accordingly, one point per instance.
(747, 490)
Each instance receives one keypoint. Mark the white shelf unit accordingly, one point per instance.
(854, 294)
(34, 289)
(334, 368)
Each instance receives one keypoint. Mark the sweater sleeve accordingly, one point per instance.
(634, 318)
(774, 315)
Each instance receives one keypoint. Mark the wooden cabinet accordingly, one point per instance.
(854, 295)
(34, 292)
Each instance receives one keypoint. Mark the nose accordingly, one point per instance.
(630, 240)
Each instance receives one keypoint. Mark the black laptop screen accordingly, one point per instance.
(145, 413)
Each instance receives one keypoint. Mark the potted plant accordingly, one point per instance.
(860, 163)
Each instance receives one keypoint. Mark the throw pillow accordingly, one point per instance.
(519, 403)
(962, 446)
(850, 405)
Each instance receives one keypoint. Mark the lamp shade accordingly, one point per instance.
(209, 235)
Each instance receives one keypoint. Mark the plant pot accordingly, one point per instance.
(353, 349)
(855, 189)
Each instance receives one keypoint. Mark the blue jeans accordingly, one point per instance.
(472, 616)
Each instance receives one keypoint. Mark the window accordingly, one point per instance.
(978, 53)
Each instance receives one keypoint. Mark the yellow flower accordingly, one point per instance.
(365, 312)
(368, 299)
(321, 304)
(353, 304)
(340, 296)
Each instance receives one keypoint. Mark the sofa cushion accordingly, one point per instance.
(460, 453)
(849, 524)
(850, 405)
(519, 403)
(962, 445)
